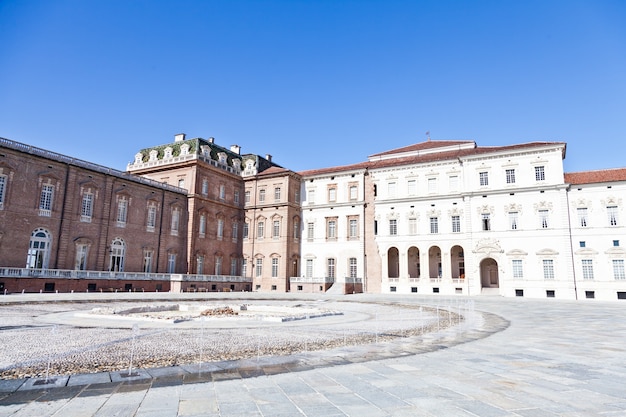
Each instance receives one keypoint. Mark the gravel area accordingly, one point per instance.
(36, 342)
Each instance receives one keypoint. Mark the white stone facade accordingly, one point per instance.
(454, 218)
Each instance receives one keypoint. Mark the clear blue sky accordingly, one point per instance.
(314, 83)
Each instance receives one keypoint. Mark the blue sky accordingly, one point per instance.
(314, 83)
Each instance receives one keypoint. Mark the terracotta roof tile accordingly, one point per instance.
(429, 157)
(592, 177)
(431, 144)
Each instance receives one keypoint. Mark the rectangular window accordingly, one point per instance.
(261, 196)
(612, 212)
(274, 267)
(236, 197)
(354, 192)
(246, 230)
(513, 219)
(122, 212)
(277, 194)
(81, 257)
(200, 265)
(518, 271)
(548, 269)
(309, 268)
(296, 229)
(618, 269)
(296, 196)
(582, 244)
(310, 231)
(331, 229)
(393, 227)
(181, 183)
(45, 200)
(332, 194)
(218, 265)
(582, 216)
(276, 229)
(456, 224)
(311, 196)
(205, 187)
(587, 268)
(244, 267)
(151, 220)
(484, 178)
(171, 263)
(510, 176)
(233, 266)
(543, 218)
(352, 267)
(391, 190)
(330, 263)
(247, 197)
(260, 230)
(3, 187)
(432, 185)
(147, 261)
(453, 182)
(540, 174)
(220, 229)
(412, 226)
(616, 243)
(353, 231)
(86, 208)
(259, 268)
(434, 225)
(412, 187)
(235, 231)
(486, 221)
(175, 221)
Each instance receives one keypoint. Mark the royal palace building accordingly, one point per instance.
(437, 217)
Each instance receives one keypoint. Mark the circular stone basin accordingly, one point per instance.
(177, 313)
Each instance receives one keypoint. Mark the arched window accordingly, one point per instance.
(118, 252)
(38, 249)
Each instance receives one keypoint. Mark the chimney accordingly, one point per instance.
(268, 157)
(236, 149)
(211, 140)
(179, 137)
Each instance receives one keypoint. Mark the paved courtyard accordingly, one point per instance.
(519, 357)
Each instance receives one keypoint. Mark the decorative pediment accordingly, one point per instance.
(433, 213)
(412, 214)
(543, 205)
(586, 252)
(485, 209)
(393, 216)
(488, 246)
(167, 152)
(455, 212)
(616, 252)
(517, 253)
(547, 252)
(154, 154)
(513, 207)
(184, 149)
(612, 201)
(582, 203)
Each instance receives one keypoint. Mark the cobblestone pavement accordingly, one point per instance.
(521, 357)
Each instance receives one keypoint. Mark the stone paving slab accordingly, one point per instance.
(523, 358)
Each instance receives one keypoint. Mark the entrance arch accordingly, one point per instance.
(489, 273)
(413, 262)
(393, 263)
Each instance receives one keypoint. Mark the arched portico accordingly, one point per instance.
(457, 262)
(393, 263)
(434, 262)
(489, 273)
(413, 262)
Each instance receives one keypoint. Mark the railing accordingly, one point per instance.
(133, 166)
(311, 280)
(8, 272)
(88, 165)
